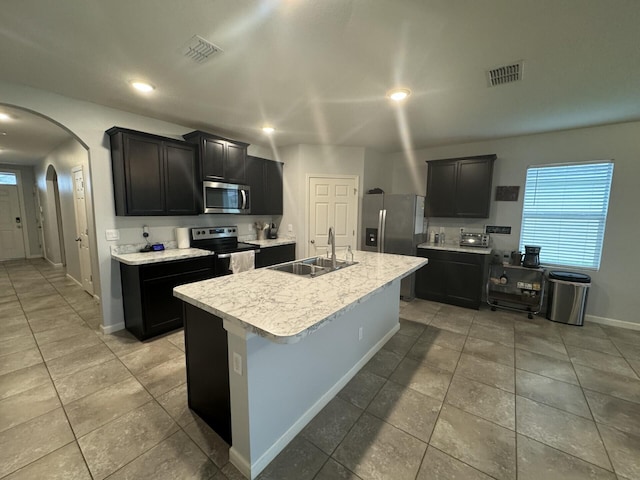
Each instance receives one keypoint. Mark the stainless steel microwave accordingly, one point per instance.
(221, 197)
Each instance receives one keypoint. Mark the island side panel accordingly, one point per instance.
(288, 384)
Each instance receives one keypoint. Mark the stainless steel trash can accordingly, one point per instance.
(567, 297)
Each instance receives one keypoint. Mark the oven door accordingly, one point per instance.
(221, 197)
(223, 263)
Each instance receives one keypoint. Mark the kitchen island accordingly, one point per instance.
(291, 344)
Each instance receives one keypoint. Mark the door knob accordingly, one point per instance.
(79, 239)
(313, 241)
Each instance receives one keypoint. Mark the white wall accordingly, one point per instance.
(613, 292)
(303, 160)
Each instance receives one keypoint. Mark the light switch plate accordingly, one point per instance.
(112, 234)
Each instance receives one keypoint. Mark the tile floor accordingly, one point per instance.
(455, 394)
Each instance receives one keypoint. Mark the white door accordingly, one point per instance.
(82, 230)
(333, 202)
(11, 232)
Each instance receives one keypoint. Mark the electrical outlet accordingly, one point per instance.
(289, 228)
(237, 363)
(360, 333)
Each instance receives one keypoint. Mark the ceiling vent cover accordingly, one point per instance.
(505, 74)
(200, 50)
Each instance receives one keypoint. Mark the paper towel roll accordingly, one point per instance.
(182, 237)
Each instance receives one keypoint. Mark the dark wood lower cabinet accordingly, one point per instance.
(274, 255)
(150, 308)
(452, 277)
(208, 369)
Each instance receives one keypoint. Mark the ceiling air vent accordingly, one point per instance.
(505, 74)
(200, 50)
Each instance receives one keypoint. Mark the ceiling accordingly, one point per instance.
(318, 70)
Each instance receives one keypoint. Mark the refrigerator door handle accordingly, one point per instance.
(384, 231)
(380, 231)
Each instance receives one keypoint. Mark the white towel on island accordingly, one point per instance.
(243, 261)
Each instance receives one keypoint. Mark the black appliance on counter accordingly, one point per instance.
(223, 241)
(531, 256)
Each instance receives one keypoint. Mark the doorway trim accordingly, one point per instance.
(25, 224)
(307, 213)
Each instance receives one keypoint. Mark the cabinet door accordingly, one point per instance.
(144, 176)
(430, 281)
(256, 180)
(213, 154)
(163, 311)
(441, 189)
(180, 179)
(235, 163)
(473, 188)
(274, 255)
(273, 172)
(464, 284)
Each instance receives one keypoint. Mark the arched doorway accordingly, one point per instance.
(52, 225)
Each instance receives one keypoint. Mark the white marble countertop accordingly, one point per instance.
(452, 247)
(284, 307)
(274, 242)
(142, 258)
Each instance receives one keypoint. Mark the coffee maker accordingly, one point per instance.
(531, 256)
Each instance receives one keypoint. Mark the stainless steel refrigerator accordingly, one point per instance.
(393, 224)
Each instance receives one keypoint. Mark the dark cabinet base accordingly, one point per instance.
(208, 369)
(274, 255)
(452, 277)
(150, 308)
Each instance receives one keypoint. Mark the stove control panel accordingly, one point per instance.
(206, 233)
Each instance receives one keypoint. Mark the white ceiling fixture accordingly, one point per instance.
(398, 94)
(268, 129)
(505, 74)
(200, 50)
(5, 117)
(143, 87)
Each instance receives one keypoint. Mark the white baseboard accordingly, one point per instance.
(109, 329)
(35, 256)
(57, 265)
(612, 322)
(243, 465)
(73, 279)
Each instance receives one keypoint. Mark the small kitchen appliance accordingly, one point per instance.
(273, 232)
(516, 258)
(481, 240)
(219, 197)
(531, 256)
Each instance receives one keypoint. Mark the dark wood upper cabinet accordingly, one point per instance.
(221, 159)
(153, 175)
(265, 179)
(459, 187)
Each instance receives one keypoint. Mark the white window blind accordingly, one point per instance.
(565, 212)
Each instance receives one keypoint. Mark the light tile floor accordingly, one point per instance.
(455, 394)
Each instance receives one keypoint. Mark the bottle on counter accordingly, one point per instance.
(432, 236)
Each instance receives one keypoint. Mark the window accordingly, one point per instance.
(8, 178)
(565, 212)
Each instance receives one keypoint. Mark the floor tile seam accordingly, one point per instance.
(482, 417)
(59, 340)
(435, 424)
(566, 453)
(85, 367)
(558, 408)
(183, 429)
(465, 463)
(155, 366)
(494, 341)
(41, 457)
(484, 383)
(545, 376)
(516, 347)
(327, 461)
(600, 352)
(608, 425)
(416, 391)
(636, 378)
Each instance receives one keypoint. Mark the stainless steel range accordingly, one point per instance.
(223, 241)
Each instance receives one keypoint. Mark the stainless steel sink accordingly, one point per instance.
(311, 267)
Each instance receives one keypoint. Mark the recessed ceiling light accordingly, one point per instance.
(398, 94)
(143, 86)
(268, 129)
(5, 117)
(3, 133)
